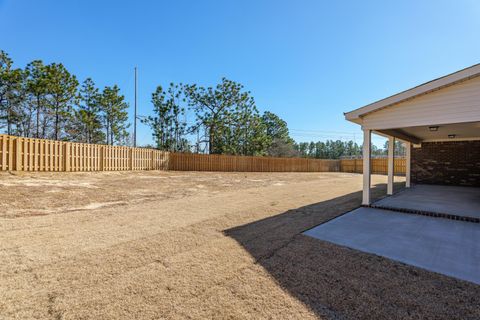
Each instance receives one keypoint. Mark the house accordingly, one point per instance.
(440, 123)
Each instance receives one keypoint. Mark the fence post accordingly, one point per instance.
(131, 158)
(10, 153)
(4, 152)
(18, 154)
(153, 159)
(170, 160)
(66, 157)
(102, 157)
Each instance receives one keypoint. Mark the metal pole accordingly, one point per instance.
(135, 113)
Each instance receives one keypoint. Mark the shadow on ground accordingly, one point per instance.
(340, 283)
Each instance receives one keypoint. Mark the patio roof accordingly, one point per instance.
(427, 87)
(450, 104)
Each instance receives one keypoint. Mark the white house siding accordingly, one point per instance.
(454, 104)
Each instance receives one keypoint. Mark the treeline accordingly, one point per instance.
(224, 120)
(331, 149)
(47, 101)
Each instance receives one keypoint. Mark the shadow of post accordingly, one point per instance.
(338, 282)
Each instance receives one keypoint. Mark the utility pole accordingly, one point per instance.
(135, 113)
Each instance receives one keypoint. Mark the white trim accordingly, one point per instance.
(408, 164)
(391, 163)
(448, 80)
(367, 142)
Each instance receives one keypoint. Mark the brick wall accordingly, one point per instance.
(448, 163)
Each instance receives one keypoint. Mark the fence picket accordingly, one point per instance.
(4, 152)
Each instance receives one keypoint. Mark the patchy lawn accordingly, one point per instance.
(149, 245)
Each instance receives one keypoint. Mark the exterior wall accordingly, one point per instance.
(447, 163)
(454, 104)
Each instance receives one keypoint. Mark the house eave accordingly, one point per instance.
(425, 88)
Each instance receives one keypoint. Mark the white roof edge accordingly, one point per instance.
(426, 87)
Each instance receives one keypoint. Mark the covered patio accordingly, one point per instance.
(439, 122)
(434, 222)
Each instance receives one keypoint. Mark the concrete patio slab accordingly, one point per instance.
(445, 246)
(460, 201)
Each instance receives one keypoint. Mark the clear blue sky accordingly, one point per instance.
(307, 61)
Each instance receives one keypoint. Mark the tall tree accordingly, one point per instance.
(168, 125)
(62, 92)
(215, 109)
(211, 107)
(87, 116)
(11, 92)
(244, 133)
(5, 87)
(36, 86)
(276, 127)
(5, 67)
(279, 140)
(115, 115)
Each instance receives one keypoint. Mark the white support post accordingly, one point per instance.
(391, 164)
(408, 163)
(367, 136)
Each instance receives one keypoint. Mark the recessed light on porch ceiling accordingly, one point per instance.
(452, 136)
(433, 128)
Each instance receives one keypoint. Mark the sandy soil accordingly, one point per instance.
(174, 245)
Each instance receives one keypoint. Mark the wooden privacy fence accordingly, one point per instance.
(203, 162)
(29, 154)
(379, 165)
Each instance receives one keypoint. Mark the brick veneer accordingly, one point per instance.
(448, 163)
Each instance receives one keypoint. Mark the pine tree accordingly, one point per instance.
(247, 129)
(115, 115)
(87, 117)
(280, 144)
(36, 86)
(11, 93)
(168, 125)
(220, 113)
(62, 93)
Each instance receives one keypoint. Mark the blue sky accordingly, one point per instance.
(307, 61)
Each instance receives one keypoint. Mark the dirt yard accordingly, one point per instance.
(175, 245)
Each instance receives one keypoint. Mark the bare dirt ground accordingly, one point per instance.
(186, 245)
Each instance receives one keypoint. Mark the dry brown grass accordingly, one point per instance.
(149, 245)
